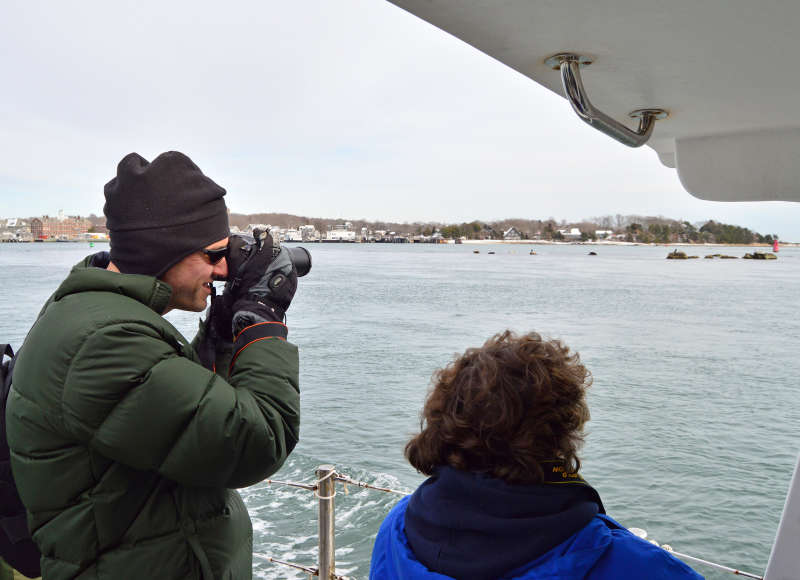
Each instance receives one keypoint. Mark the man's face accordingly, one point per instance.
(191, 279)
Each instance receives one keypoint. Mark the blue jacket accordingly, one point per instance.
(599, 550)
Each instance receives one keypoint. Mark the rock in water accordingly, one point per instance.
(676, 255)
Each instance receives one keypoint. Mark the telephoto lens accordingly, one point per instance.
(241, 245)
(301, 259)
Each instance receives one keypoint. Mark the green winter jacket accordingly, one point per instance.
(124, 448)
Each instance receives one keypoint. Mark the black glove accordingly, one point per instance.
(220, 314)
(238, 254)
(216, 330)
(263, 285)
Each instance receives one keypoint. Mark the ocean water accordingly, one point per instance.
(695, 422)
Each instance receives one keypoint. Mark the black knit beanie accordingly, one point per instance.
(158, 213)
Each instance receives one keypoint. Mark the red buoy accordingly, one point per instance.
(775, 245)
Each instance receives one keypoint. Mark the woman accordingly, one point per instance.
(500, 433)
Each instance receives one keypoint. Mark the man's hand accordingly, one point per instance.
(221, 316)
(263, 285)
(215, 331)
(238, 255)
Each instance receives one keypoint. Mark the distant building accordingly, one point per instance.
(100, 236)
(37, 229)
(277, 233)
(512, 234)
(603, 234)
(15, 230)
(308, 233)
(100, 228)
(572, 234)
(486, 233)
(341, 233)
(292, 235)
(64, 227)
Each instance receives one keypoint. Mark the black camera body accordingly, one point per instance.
(240, 246)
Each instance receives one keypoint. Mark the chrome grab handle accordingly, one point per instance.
(570, 64)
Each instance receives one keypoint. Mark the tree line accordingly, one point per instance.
(631, 228)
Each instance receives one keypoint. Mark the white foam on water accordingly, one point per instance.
(285, 519)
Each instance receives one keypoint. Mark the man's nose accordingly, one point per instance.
(220, 270)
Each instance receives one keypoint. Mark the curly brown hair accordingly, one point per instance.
(503, 408)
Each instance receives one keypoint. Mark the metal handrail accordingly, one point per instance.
(569, 64)
(325, 490)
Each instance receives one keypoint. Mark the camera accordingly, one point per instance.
(240, 246)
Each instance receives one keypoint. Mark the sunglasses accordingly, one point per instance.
(215, 256)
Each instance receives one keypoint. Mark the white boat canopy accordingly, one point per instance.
(721, 69)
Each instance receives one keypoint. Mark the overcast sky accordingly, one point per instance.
(330, 108)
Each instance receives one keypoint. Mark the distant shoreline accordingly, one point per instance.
(511, 242)
(619, 243)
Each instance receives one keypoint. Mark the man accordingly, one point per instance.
(124, 446)
(501, 430)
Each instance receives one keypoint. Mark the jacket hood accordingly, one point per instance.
(468, 525)
(90, 275)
